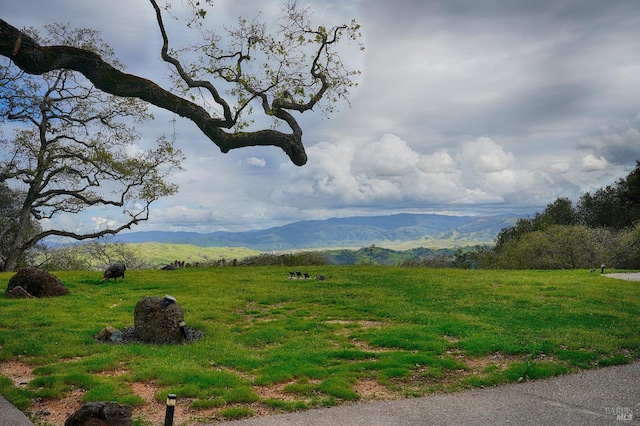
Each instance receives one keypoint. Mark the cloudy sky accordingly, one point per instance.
(463, 107)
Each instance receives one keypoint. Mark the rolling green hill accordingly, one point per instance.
(395, 231)
(163, 253)
(396, 238)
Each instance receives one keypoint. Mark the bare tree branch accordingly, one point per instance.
(27, 54)
(140, 217)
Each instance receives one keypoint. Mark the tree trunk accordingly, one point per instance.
(18, 247)
(11, 262)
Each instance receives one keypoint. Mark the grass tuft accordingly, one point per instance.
(234, 413)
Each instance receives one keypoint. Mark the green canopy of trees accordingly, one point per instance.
(602, 228)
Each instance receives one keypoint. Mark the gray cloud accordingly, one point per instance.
(619, 141)
(463, 106)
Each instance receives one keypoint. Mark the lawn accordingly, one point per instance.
(274, 344)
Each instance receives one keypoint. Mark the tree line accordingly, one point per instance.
(601, 229)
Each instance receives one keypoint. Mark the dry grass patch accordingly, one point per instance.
(19, 373)
(371, 390)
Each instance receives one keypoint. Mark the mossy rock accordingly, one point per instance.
(37, 282)
(158, 320)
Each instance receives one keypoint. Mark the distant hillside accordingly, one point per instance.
(428, 230)
(160, 254)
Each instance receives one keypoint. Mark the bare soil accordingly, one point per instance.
(54, 412)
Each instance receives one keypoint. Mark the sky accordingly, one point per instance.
(463, 107)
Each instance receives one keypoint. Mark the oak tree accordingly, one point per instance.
(73, 149)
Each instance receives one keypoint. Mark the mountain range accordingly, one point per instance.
(358, 231)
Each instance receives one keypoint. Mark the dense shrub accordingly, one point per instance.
(602, 229)
(285, 259)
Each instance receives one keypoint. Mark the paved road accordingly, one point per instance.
(608, 396)
(11, 416)
(628, 276)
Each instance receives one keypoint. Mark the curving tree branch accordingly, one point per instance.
(27, 54)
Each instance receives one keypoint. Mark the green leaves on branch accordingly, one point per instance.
(289, 65)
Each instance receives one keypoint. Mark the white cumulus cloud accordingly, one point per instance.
(102, 223)
(592, 163)
(256, 162)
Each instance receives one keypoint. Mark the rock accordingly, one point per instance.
(18, 293)
(37, 282)
(109, 334)
(101, 414)
(159, 320)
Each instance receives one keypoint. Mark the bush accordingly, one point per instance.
(558, 247)
(285, 259)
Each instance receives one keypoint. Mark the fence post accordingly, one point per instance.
(171, 406)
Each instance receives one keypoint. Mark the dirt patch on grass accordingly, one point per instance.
(54, 412)
(371, 390)
(363, 324)
(365, 347)
(360, 344)
(277, 391)
(19, 373)
(479, 364)
(154, 411)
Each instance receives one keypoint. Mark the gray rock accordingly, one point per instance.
(101, 413)
(18, 293)
(110, 334)
(158, 320)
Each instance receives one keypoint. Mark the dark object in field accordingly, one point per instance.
(114, 271)
(299, 275)
(102, 413)
(36, 282)
(158, 322)
(109, 334)
(171, 267)
(18, 293)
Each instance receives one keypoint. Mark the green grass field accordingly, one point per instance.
(411, 331)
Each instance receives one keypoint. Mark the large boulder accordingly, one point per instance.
(159, 320)
(37, 282)
(101, 414)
